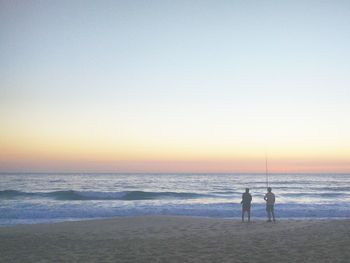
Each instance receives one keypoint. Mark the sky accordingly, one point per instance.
(174, 86)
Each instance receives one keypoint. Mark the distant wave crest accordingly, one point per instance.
(91, 195)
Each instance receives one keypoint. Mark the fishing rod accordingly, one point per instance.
(266, 171)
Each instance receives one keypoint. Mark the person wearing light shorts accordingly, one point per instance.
(270, 203)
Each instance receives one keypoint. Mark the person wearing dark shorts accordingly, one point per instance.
(246, 203)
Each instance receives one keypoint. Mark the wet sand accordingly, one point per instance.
(177, 239)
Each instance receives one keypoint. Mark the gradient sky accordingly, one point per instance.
(175, 86)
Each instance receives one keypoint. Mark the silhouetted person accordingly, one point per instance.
(270, 203)
(246, 201)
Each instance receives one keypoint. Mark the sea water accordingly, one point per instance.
(34, 198)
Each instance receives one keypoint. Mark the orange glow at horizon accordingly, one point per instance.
(46, 144)
(78, 158)
(186, 166)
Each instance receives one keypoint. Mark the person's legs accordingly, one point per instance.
(273, 213)
(248, 214)
(242, 214)
(268, 210)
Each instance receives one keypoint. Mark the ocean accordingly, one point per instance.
(27, 198)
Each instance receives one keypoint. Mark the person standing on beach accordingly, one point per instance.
(246, 202)
(270, 203)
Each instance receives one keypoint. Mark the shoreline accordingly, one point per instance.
(234, 219)
(177, 239)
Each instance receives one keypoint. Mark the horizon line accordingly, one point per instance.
(121, 172)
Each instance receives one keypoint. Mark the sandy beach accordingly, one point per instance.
(177, 239)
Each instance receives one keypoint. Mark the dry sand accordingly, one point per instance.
(177, 239)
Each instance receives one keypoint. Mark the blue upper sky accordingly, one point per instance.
(271, 72)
